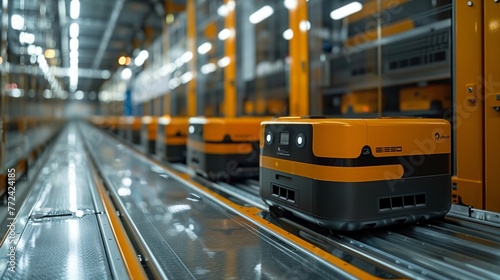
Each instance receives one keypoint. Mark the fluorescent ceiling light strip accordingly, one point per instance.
(261, 14)
(346, 10)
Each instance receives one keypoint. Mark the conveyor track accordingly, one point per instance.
(188, 231)
(61, 231)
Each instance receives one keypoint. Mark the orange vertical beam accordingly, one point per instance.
(299, 62)
(230, 70)
(492, 104)
(468, 110)
(191, 45)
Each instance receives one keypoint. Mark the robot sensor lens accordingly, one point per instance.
(269, 138)
(300, 140)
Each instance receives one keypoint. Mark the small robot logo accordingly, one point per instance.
(437, 136)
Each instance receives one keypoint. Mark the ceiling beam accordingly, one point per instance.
(107, 33)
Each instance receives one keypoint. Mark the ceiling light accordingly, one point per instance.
(122, 60)
(304, 25)
(186, 77)
(38, 51)
(126, 74)
(261, 14)
(208, 68)
(223, 10)
(144, 54)
(223, 62)
(26, 38)
(290, 4)
(50, 53)
(224, 34)
(31, 49)
(288, 34)
(73, 44)
(17, 22)
(73, 54)
(74, 11)
(187, 56)
(141, 58)
(204, 48)
(74, 30)
(346, 10)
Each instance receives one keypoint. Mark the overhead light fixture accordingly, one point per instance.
(261, 14)
(223, 62)
(304, 25)
(208, 68)
(222, 10)
(74, 30)
(346, 10)
(73, 54)
(288, 34)
(50, 53)
(187, 56)
(74, 9)
(122, 60)
(126, 74)
(141, 58)
(73, 44)
(204, 48)
(38, 51)
(31, 49)
(186, 77)
(17, 22)
(224, 34)
(290, 4)
(26, 38)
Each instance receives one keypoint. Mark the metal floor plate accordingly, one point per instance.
(58, 232)
(61, 248)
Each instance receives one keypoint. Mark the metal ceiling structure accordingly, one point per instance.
(107, 30)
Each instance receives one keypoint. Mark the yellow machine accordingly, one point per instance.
(349, 174)
(133, 129)
(434, 97)
(172, 138)
(360, 102)
(224, 148)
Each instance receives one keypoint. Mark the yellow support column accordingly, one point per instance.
(299, 63)
(191, 45)
(468, 110)
(230, 70)
(492, 104)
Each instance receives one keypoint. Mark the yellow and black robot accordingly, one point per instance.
(349, 174)
(224, 148)
(172, 138)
